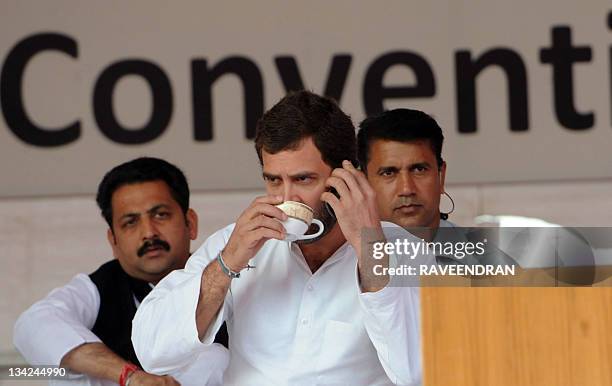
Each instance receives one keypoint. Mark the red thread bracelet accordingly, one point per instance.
(127, 369)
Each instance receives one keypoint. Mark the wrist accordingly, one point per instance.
(126, 372)
(131, 377)
(228, 270)
(230, 261)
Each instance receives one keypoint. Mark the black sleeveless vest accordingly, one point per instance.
(117, 308)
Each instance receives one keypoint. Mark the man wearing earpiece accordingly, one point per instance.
(400, 152)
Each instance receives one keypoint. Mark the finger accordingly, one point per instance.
(267, 210)
(268, 199)
(251, 210)
(267, 234)
(350, 181)
(332, 200)
(272, 200)
(360, 178)
(340, 185)
(266, 222)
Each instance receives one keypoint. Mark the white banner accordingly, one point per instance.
(522, 89)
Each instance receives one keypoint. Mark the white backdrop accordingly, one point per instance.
(58, 86)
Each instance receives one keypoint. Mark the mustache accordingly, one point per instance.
(405, 201)
(152, 243)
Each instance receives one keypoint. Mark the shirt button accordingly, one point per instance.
(304, 322)
(310, 287)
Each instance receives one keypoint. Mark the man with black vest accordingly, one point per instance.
(86, 325)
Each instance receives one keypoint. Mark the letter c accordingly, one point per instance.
(11, 87)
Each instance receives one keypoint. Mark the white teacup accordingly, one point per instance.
(300, 216)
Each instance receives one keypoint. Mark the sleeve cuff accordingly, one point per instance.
(67, 343)
(191, 336)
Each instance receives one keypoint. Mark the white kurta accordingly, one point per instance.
(63, 320)
(287, 326)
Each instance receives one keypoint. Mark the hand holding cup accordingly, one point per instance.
(260, 222)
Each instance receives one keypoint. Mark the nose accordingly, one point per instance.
(290, 193)
(407, 186)
(148, 229)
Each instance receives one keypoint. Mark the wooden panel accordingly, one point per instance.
(517, 336)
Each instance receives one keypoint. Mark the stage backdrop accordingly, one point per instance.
(522, 88)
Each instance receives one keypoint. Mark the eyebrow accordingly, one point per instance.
(419, 165)
(387, 169)
(158, 207)
(268, 175)
(303, 174)
(296, 175)
(410, 167)
(152, 210)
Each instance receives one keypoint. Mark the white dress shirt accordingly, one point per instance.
(287, 326)
(63, 320)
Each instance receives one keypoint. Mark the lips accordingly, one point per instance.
(153, 248)
(152, 251)
(408, 209)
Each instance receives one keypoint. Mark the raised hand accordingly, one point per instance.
(357, 214)
(259, 223)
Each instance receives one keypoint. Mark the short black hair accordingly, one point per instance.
(301, 115)
(401, 125)
(143, 169)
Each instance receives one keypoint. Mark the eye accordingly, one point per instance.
(162, 215)
(420, 169)
(129, 222)
(387, 173)
(303, 179)
(271, 180)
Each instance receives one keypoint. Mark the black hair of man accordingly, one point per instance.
(400, 125)
(301, 115)
(139, 170)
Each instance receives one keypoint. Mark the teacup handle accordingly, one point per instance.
(312, 236)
